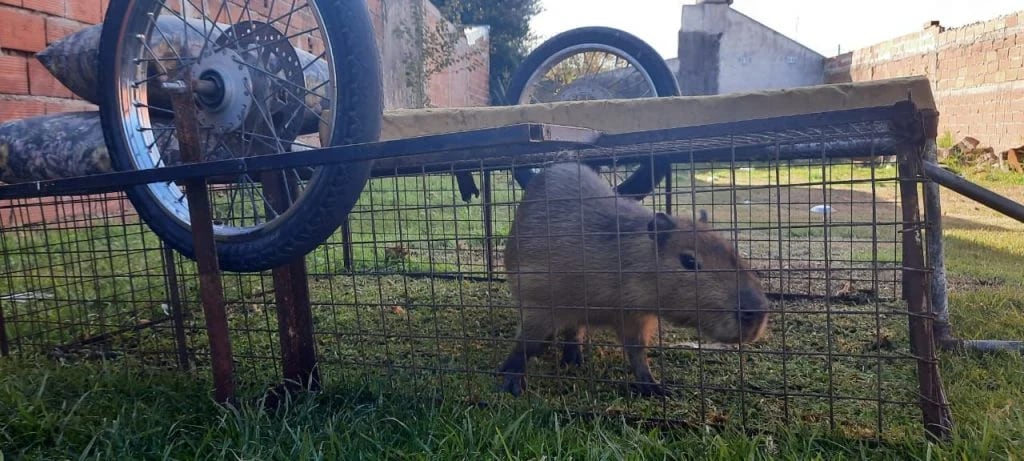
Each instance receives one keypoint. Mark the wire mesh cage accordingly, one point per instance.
(411, 297)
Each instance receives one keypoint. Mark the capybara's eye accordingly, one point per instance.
(689, 261)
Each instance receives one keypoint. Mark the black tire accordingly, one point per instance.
(326, 201)
(650, 173)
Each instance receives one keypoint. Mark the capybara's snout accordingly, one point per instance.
(753, 314)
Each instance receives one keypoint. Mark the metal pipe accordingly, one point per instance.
(981, 345)
(975, 192)
(934, 250)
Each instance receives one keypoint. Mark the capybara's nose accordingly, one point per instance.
(753, 306)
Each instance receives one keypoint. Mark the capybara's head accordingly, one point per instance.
(703, 283)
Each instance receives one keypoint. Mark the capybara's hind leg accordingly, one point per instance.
(534, 337)
(572, 345)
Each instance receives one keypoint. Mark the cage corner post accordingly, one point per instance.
(211, 288)
(936, 415)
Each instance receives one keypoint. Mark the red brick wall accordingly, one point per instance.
(976, 71)
(26, 27)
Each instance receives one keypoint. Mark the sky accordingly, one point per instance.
(822, 25)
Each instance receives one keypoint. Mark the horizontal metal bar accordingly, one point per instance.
(509, 139)
(975, 192)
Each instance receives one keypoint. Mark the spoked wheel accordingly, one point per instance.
(591, 63)
(268, 77)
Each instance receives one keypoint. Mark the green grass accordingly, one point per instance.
(381, 337)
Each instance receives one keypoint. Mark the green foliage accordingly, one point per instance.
(946, 140)
(510, 36)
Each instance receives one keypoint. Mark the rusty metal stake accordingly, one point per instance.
(291, 290)
(938, 420)
(177, 313)
(346, 245)
(211, 289)
(295, 325)
(668, 193)
(4, 347)
(488, 210)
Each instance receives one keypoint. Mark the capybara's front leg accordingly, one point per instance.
(572, 345)
(636, 336)
(534, 337)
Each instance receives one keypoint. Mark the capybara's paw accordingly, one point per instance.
(572, 354)
(514, 383)
(650, 389)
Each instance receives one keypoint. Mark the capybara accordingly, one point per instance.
(579, 256)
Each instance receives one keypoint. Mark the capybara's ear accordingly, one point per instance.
(703, 216)
(659, 227)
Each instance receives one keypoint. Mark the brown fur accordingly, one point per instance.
(579, 256)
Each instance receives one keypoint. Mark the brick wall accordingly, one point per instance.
(976, 71)
(28, 26)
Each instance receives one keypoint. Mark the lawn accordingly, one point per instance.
(383, 337)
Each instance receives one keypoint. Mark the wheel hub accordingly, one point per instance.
(224, 108)
(250, 90)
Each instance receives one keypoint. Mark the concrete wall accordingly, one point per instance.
(28, 26)
(976, 71)
(722, 51)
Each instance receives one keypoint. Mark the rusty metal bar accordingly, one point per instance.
(668, 192)
(488, 211)
(938, 420)
(177, 314)
(295, 325)
(975, 192)
(211, 288)
(4, 347)
(346, 245)
(291, 291)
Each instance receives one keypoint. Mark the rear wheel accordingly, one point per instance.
(268, 78)
(592, 63)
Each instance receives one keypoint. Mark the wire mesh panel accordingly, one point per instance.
(416, 296)
(823, 236)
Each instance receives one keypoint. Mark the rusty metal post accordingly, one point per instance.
(177, 314)
(938, 420)
(4, 347)
(346, 245)
(291, 292)
(295, 326)
(668, 192)
(488, 211)
(211, 289)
